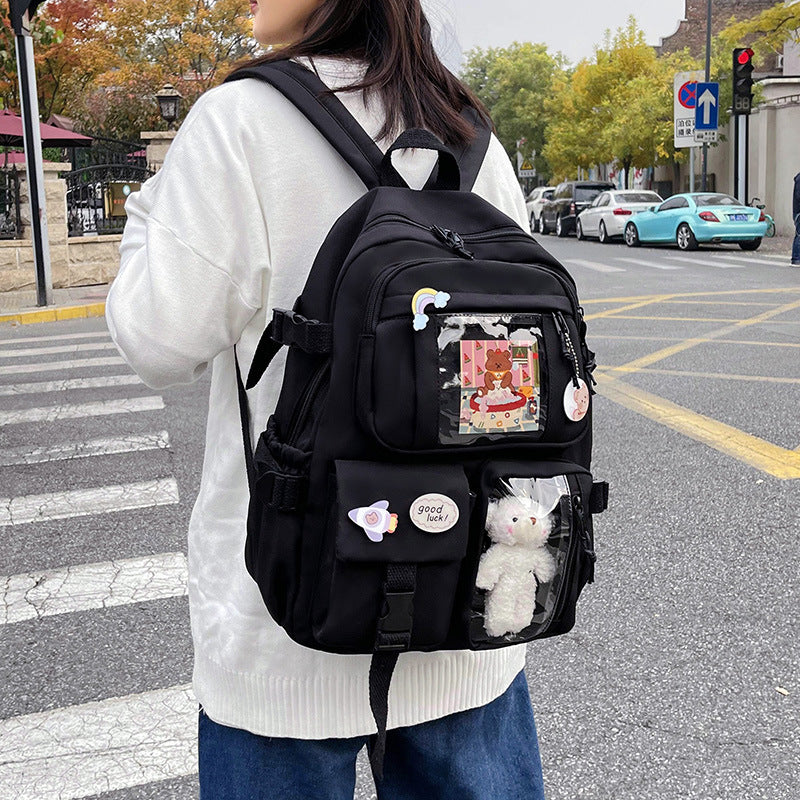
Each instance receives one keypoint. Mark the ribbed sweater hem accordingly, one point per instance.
(337, 705)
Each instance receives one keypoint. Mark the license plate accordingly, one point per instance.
(738, 217)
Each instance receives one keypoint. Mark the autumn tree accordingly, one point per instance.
(766, 32)
(514, 82)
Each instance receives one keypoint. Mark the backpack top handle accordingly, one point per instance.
(328, 114)
(447, 173)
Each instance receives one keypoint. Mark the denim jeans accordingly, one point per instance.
(796, 243)
(485, 753)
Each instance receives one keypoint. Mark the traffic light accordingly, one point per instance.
(742, 80)
(18, 9)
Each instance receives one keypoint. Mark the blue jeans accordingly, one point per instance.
(796, 243)
(486, 753)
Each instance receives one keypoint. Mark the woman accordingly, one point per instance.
(224, 232)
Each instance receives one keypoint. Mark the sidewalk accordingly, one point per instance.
(19, 307)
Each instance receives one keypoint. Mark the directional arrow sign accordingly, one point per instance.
(706, 117)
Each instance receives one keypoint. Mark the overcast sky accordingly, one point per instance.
(573, 27)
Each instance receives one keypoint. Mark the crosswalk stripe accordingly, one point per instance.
(53, 366)
(83, 587)
(101, 408)
(48, 351)
(775, 257)
(696, 262)
(594, 265)
(97, 747)
(60, 337)
(42, 387)
(12, 456)
(83, 502)
(653, 264)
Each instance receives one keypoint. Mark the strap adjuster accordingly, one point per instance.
(281, 491)
(395, 622)
(291, 328)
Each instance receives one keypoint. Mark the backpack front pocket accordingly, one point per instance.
(536, 551)
(396, 536)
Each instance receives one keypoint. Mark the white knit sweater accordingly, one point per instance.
(224, 232)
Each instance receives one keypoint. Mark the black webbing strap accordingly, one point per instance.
(393, 636)
(598, 499)
(330, 117)
(244, 415)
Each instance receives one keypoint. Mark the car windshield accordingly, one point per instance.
(637, 197)
(716, 200)
(548, 195)
(585, 194)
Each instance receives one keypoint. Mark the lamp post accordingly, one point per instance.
(708, 78)
(169, 102)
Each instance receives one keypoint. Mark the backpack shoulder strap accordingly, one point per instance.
(328, 114)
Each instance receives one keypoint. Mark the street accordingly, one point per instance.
(680, 679)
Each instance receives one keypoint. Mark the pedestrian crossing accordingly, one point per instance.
(617, 260)
(81, 749)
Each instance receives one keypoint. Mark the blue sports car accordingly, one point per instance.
(699, 217)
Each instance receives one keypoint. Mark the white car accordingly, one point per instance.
(607, 216)
(534, 202)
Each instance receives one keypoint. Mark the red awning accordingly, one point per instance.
(11, 133)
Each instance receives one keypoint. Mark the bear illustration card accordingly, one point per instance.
(491, 369)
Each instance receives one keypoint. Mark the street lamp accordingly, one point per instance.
(169, 100)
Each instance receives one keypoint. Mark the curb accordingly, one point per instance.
(54, 314)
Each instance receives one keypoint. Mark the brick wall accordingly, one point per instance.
(692, 30)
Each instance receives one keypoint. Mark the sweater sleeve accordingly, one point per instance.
(194, 256)
(497, 182)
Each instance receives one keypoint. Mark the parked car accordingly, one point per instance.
(702, 217)
(607, 215)
(534, 203)
(569, 199)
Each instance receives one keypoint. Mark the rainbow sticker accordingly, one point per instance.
(421, 300)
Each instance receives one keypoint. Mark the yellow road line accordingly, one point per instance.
(674, 319)
(612, 312)
(55, 314)
(680, 373)
(765, 456)
(699, 339)
(725, 303)
(634, 298)
(679, 347)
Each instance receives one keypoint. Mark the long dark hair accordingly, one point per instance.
(394, 38)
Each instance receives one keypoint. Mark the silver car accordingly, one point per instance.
(534, 202)
(607, 216)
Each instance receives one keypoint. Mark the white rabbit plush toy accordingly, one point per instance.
(517, 558)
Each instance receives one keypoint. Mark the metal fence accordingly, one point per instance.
(96, 196)
(10, 221)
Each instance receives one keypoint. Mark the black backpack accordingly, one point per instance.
(424, 481)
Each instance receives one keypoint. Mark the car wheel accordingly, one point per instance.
(753, 245)
(561, 229)
(543, 225)
(603, 233)
(533, 224)
(632, 235)
(685, 237)
(579, 230)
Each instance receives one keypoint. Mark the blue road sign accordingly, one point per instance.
(706, 113)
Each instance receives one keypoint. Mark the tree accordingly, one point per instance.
(514, 82)
(768, 31)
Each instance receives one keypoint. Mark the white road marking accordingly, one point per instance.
(776, 257)
(696, 262)
(101, 408)
(89, 586)
(653, 264)
(84, 502)
(61, 337)
(67, 451)
(42, 387)
(594, 265)
(752, 261)
(53, 366)
(50, 351)
(88, 749)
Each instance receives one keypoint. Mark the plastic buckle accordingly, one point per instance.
(396, 621)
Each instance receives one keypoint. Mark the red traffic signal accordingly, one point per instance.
(745, 55)
(742, 80)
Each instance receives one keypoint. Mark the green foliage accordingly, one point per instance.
(514, 83)
(767, 32)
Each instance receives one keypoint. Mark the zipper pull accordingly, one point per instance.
(453, 240)
(566, 346)
(588, 550)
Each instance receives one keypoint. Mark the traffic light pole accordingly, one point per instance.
(708, 78)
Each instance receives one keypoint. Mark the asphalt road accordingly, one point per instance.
(680, 679)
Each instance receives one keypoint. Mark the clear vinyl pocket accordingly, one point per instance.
(387, 520)
(536, 551)
(466, 378)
